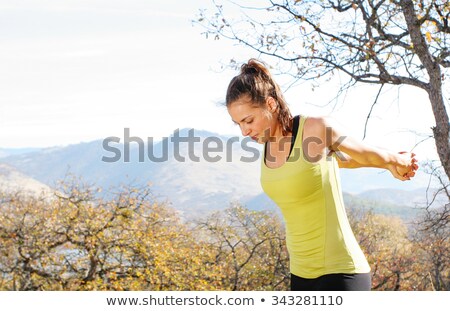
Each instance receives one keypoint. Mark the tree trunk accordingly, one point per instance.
(441, 131)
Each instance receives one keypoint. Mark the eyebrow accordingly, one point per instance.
(242, 119)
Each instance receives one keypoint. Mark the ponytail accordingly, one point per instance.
(256, 82)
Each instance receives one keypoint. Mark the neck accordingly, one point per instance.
(278, 134)
(278, 140)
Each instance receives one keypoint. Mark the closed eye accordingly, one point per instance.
(244, 120)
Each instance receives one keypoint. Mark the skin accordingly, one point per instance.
(321, 135)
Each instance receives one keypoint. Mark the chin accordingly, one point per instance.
(261, 140)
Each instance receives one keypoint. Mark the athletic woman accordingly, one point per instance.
(300, 173)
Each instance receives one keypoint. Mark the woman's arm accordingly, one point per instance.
(353, 153)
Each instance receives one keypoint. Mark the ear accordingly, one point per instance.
(271, 104)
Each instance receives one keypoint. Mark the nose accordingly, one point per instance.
(245, 130)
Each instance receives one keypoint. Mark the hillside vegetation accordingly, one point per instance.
(83, 238)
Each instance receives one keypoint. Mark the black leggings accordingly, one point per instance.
(336, 282)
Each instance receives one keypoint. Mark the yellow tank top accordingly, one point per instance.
(318, 235)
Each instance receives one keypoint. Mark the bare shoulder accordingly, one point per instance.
(316, 126)
(312, 122)
(314, 138)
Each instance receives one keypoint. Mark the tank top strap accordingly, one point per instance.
(295, 125)
(301, 125)
(299, 134)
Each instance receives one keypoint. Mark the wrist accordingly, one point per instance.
(391, 158)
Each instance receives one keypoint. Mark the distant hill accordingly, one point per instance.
(380, 206)
(357, 202)
(356, 181)
(396, 196)
(190, 186)
(11, 180)
(193, 187)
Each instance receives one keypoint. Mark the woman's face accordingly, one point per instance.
(256, 122)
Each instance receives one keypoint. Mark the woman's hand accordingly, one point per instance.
(405, 166)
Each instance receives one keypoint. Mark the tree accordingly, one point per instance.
(384, 42)
(385, 242)
(249, 247)
(82, 239)
(433, 245)
(432, 234)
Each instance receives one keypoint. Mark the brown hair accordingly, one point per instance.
(256, 82)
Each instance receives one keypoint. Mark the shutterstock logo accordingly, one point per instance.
(185, 145)
(181, 147)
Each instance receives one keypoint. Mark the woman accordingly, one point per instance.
(299, 171)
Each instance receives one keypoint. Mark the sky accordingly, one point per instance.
(77, 71)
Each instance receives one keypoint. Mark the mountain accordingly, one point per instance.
(381, 206)
(195, 171)
(396, 196)
(11, 180)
